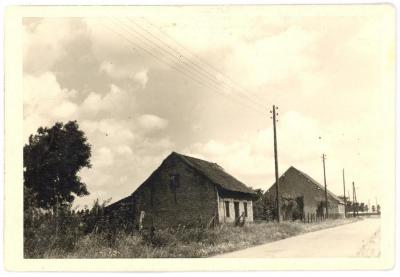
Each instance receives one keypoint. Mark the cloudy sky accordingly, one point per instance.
(202, 81)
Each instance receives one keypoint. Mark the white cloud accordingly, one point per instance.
(46, 102)
(117, 101)
(124, 149)
(102, 157)
(91, 103)
(271, 58)
(65, 110)
(110, 131)
(44, 44)
(152, 122)
(125, 71)
(142, 77)
(250, 158)
(109, 69)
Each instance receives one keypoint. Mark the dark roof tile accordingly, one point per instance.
(308, 177)
(216, 174)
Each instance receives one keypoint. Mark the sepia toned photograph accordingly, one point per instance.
(216, 132)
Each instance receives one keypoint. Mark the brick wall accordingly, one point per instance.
(187, 199)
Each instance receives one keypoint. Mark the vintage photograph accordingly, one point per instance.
(208, 132)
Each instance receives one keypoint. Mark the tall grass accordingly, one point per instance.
(183, 242)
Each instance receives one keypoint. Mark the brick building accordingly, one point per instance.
(187, 191)
(297, 185)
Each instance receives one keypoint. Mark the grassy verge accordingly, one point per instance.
(187, 243)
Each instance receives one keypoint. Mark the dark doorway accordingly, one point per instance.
(227, 209)
(236, 209)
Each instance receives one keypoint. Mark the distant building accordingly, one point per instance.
(298, 186)
(187, 191)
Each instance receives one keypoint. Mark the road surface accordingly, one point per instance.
(358, 239)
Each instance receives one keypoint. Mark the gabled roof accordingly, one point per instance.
(211, 171)
(215, 173)
(314, 182)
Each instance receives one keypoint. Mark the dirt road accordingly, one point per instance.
(358, 239)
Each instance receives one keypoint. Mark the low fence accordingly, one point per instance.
(351, 214)
(313, 217)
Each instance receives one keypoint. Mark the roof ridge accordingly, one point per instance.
(315, 182)
(190, 157)
(191, 161)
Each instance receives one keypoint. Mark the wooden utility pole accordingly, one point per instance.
(344, 193)
(278, 202)
(354, 200)
(348, 193)
(326, 190)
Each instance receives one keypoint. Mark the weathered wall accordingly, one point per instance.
(223, 218)
(191, 201)
(293, 184)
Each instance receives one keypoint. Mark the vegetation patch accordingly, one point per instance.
(180, 242)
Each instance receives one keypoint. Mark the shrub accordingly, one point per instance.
(47, 231)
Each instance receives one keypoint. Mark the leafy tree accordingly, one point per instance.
(259, 193)
(52, 159)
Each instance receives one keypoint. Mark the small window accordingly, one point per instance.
(245, 208)
(174, 184)
(174, 178)
(227, 208)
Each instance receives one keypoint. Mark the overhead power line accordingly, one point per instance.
(187, 71)
(182, 60)
(164, 62)
(199, 67)
(200, 59)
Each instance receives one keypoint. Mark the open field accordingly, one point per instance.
(185, 242)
